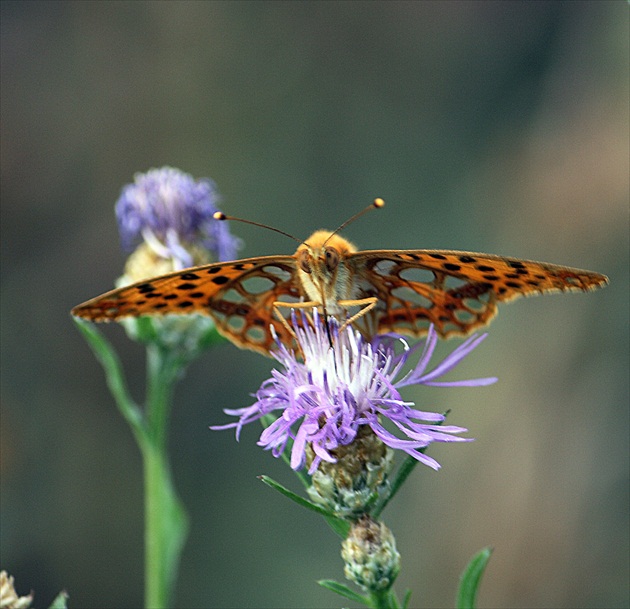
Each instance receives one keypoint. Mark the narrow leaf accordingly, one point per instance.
(211, 337)
(303, 477)
(402, 474)
(144, 329)
(471, 578)
(339, 526)
(343, 590)
(115, 378)
(60, 601)
(336, 523)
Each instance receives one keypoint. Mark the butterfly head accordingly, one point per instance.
(321, 266)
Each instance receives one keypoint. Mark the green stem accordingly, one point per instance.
(385, 599)
(166, 524)
(165, 519)
(160, 385)
(165, 529)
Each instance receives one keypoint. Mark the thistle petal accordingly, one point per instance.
(327, 398)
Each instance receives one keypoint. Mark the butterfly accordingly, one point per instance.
(378, 291)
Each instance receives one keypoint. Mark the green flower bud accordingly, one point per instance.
(369, 552)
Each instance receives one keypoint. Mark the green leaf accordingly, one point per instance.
(343, 590)
(212, 337)
(303, 477)
(144, 329)
(166, 523)
(406, 599)
(402, 474)
(338, 525)
(267, 419)
(60, 601)
(471, 578)
(115, 377)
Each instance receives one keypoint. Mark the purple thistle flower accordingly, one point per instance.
(171, 212)
(324, 400)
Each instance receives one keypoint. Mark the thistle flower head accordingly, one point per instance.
(171, 213)
(171, 216)
(340, 387)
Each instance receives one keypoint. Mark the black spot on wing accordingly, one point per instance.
(471, 290)
(515, 264)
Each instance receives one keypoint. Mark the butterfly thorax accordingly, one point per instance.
(324, 275)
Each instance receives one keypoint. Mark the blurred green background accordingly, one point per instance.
(486, 126)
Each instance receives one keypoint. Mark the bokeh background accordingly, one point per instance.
(486, 126)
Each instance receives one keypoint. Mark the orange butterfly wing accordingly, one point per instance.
(458, 292)
(238, 295)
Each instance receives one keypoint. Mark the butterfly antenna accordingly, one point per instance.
(219, 215)
(376, 204)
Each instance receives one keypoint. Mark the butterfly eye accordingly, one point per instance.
(304, 261)
(332, 258)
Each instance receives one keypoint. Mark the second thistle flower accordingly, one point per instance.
(168, 216)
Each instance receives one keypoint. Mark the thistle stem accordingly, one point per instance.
(165, 519)
(384, 599)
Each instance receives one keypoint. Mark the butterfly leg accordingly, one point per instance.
(367, 303)
(291, 305)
